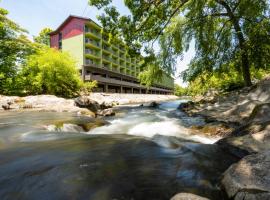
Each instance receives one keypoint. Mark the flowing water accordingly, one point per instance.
(144, 153)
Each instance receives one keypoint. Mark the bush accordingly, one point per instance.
(179, 91)
(50, 71)
(88, 87)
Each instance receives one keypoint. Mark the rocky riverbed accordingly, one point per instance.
(85, 105)
(240, 118)
(243, 119)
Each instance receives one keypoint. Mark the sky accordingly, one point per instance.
(33, 15)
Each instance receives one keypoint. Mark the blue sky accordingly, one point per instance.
(34, 15)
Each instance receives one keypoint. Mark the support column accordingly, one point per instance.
(106, 89)
(83, 73)
(140, 90)
(132, 91)
(121, 89)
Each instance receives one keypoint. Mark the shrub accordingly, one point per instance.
(50, 71)
(88, 87)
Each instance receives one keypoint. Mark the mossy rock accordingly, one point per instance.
(97, 123)
(86, 123)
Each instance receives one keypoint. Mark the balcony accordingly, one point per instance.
(91, 63)
(92, 53)
(106, 58)
(92, 43)
(106, 48)
(114, 61)
(92, 33)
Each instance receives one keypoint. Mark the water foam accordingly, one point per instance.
(151, 122)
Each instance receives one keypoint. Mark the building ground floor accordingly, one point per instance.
(115, 82)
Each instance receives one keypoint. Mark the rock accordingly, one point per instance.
(187, 196)
(253, 138)
(106, 112)
(91, 125)
(84, 124)
(153, 104)
(260, 113)
(213, 129)
(209, 97)
(86, 102)
(106, 105)
(65, 128)
(249, 179)
(185, 106)
(6, 106)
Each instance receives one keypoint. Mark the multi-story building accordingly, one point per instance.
(109, 64)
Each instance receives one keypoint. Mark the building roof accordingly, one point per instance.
(68, 19)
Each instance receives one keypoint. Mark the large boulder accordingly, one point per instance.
(251, 138)
(260, 113)
(262, 91)
(184, 106)
(187, 196)
(86, 102)
(106, 112)
(249, 179)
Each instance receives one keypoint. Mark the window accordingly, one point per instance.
(60, 40)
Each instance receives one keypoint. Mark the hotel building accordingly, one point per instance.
(109, 64)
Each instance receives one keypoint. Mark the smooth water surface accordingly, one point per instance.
(144, 153)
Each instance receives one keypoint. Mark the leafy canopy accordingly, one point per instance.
(50, 71)
(224, 31)
(44, 37)
(14, 46)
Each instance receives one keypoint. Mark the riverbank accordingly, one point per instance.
(123, 99)
(52, 103)
(246, 115)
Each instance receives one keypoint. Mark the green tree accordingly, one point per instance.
(224, 31)
(50, 71)
(179, 91)
(43, 37)
(14, 47)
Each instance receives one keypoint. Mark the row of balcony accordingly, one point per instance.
(120, 69)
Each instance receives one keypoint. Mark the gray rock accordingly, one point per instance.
(249, 179)
(153, 104)
(106, 112)
(106, 105)
(187, 196)
(185, 105)
(6, 106)
(248, 139)
(260, 113)
(86, 102)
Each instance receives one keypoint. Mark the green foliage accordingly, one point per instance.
(180, 91)
(222, 81)
(88, 87)
(225, 32)
(14, 46)
(50, 72)
(44, 37)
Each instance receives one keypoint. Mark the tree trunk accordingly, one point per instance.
(244, 54)
(245, 68)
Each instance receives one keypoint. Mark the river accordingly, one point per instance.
(144, 153)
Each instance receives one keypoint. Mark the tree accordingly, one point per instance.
(179, 91)
(50, 71)
(44, 37)
(224, 31)
(14, 47)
